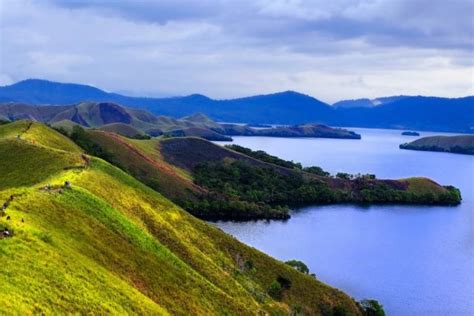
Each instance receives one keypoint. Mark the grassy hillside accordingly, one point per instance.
(462, 144)
(110, 244)
(122, 129)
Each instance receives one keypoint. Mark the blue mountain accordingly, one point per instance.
(289, 107)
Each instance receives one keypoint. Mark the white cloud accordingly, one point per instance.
(235, 48)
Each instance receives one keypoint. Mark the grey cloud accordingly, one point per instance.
(330, 49)
(421, 23)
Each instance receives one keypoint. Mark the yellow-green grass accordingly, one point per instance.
(111, 245)
(121, 129)
(422, 185)
(67, 125)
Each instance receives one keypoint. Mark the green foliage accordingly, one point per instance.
(81, 138)
(275, 290)
(278, 287)
(298, 265)
(372, 308)
(263, 156)
(317, 171)
(344, 176)
(238, 187)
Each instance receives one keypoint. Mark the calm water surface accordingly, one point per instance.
(414, 260)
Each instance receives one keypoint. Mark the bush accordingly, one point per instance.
(275, 290)
(298, 265)
(278, 287)
(372, 308)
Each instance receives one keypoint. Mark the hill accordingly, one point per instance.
(463, 144)
(105, 243)
(115, 118)
(304, 130)
(214, 182)
(287, 108)
(141, 124)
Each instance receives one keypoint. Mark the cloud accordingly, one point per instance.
(332, 50)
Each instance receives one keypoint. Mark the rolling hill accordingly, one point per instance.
(86, 237)
(141, 124)
(184, 169)
(399, 112)
(462, 144)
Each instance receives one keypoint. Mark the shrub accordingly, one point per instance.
(372, 308)
(298, 265)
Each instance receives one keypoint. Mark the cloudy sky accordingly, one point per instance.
(329, 49)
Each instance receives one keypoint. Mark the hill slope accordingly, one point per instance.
(109, 244)
(463, 144)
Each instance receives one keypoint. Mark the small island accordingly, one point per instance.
(462, 144)
(410, 133)
(304, 130)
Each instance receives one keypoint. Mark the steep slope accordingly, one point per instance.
(109, 244)
(462, 144)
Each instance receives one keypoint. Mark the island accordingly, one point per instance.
(304, 130)
(461, 144)
(410, 133)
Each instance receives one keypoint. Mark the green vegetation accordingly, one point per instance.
(250, 190)
(241, 188)
(263, 156)
(463, 144)
(305, 130)
(108, 244)
(372, 308)
(298, 265)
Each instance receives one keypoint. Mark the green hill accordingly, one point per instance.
(462, 144)
(108, 244)
(214, 182)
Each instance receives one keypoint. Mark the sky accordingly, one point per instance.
(332, 50)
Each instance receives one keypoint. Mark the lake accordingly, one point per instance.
(414, 260)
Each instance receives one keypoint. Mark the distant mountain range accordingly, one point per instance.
(137, 123)
(399, 112)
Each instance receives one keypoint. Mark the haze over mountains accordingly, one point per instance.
(289, 107)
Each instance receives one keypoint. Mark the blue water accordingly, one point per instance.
(414, 260)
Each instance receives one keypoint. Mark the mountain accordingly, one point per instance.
(399, 112)
(463, 144)
(137, 123)
(80, 235)
(366, 103)
(416, 113)
(114, 118)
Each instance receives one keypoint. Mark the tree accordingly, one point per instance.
(298, 265)
(372, 308)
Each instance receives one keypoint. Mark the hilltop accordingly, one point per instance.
(462, 144)
(286, 108)
(86, 237)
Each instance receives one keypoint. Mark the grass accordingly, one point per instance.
(111, 245)
(422, 185)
